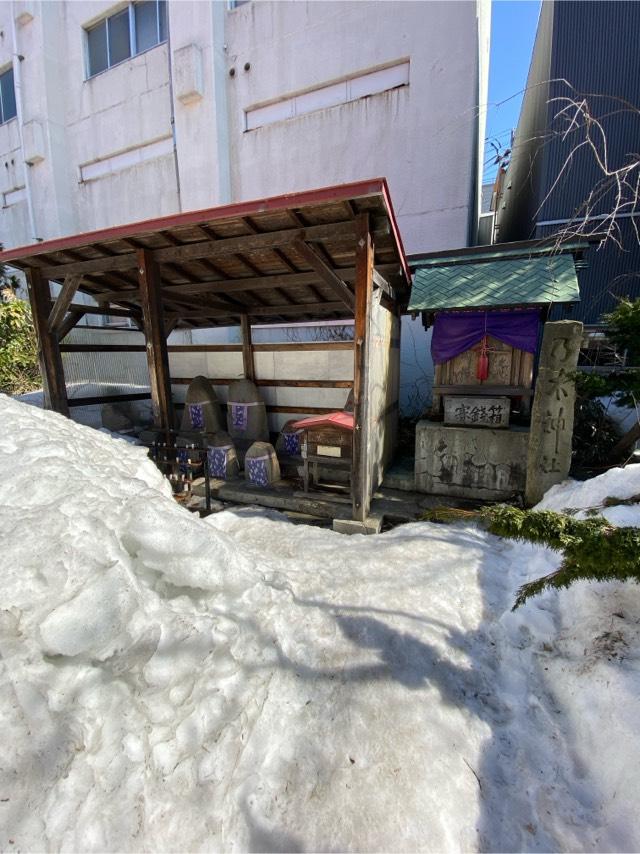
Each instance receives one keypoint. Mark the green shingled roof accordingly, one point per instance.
(465, 282)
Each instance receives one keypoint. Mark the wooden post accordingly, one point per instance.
(51, 368)
(360, 487)
(247, 349)
(156, 340)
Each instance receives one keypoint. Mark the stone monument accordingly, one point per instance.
(549, 454)
(201, 411)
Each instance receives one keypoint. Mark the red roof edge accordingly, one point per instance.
(336, 192)
(395, 229)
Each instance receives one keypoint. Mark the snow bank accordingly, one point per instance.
(614, 483)
(240, 683)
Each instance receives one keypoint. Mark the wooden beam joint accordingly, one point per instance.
(326, 273)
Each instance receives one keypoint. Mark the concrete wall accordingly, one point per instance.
(318, 364)
(102, 149)
(92, 374)
(422, 136)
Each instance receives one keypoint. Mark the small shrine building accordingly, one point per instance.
(501, 416)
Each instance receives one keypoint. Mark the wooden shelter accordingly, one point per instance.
(332, 253)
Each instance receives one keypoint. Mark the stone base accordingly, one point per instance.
(371, 525)
(471, 462)
(401, 475)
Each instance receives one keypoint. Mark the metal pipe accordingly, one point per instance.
(17, 84)
(173, 113)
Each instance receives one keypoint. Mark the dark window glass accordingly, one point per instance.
(146, 25)
(119, 43)
(97, 44)
(110, 41)
(8, 95)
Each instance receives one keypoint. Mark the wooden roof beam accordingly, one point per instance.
(106, 310)
(334, 232)
(62, 303)
(380, 282)
(269, 310)
(326, 273)
(179, 269)
(255, 283)
(70, 321)
(310, 308)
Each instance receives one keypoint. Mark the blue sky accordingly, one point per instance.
(513, 30)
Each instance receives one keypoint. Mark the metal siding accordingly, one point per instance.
(594, 46)
(595, 49)
(611, 273)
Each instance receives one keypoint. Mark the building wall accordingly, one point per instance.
(102, 149)
(423, 137)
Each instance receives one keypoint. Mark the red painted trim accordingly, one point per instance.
(394, 228)
(339, 192)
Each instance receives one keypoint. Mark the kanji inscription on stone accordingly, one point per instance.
(476, 411)
(549, 454)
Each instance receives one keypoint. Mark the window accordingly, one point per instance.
(7, 97)
(133, 30)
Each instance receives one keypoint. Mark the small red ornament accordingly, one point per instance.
(482, 369)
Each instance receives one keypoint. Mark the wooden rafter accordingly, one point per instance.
(71, 320)
(62, 302)
(380, 282)
(337, 232)
(295, 310)
(326, 273)
(254, 283)
(108, 311)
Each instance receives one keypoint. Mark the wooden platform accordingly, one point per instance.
(393, 505)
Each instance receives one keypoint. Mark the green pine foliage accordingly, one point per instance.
(623, 328)
(594, 432)
(19, 371)
(592, 549)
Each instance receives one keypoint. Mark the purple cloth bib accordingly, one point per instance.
(257, 469)
(196, 415)
(239, 415)
(217, 459)
(291, 444)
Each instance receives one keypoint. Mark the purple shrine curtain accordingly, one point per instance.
(457, 331)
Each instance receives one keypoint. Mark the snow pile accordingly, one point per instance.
(615, 483)
(241, 683)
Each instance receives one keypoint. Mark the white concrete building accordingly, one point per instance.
(125, 111)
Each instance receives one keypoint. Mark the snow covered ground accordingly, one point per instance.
(241, 683)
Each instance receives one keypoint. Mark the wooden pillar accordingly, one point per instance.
(360, 481)
(156, 340)
(247, 348)
(51, 368)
